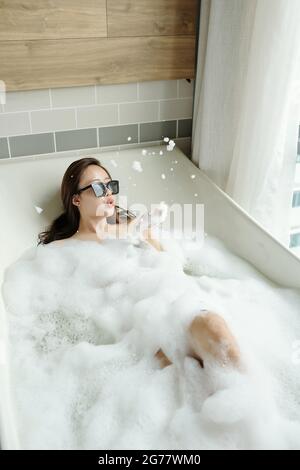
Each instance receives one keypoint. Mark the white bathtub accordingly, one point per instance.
(30, 182)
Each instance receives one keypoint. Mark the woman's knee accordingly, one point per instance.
(210, 323)
(209, 333)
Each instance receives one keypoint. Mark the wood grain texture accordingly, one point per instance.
(151, 18)
(58, 43)
(40, 64)
(52, 19)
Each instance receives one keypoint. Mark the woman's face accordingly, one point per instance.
(87, 202)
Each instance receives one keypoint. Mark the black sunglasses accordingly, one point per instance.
(100, 188)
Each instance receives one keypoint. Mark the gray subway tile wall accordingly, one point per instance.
(14, 124)
(77, 139)
(97, 117)
(4, 152)
(170, 109)
(27, 100)
(156, 130)
(184, 127)
(118, 135)
(53, 120)
(139, 112)
(72, 96)
(121, 93)
(100, 115)
(23, 145)
(161, 89)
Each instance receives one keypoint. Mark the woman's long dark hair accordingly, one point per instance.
(66, 224)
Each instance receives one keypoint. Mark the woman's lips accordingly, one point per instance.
(110, 201)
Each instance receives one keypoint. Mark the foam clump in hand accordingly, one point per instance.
(152, 218)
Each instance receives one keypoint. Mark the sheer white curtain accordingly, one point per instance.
(247, 104)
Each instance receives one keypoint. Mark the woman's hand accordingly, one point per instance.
(147, 220)
(144, 223)
(149, 236)
(134, 226)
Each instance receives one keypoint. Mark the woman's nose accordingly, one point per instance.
(108, 192)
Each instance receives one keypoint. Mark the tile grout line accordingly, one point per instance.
(9, 150)
(50, 99)
(76, 120)
(30, 122)
(54, 138)
(98, 138)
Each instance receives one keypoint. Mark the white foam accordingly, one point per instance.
(136, 165)
(38, 209)
(85, 322)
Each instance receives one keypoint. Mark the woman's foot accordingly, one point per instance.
(163, 360)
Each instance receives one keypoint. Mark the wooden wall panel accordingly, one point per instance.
(56, 43)
(151, 17)
(52, 19)
(72, 62)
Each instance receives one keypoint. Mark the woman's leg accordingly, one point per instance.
(209, 336)
(163, 359)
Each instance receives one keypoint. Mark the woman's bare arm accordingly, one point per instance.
(150, 238)
(147, 234)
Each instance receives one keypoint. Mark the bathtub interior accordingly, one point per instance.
(28, 185)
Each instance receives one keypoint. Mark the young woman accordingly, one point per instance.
(90, 213)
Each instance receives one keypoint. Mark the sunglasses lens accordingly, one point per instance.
(113, 186)
(99, 189)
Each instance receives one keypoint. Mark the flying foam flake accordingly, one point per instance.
(38, 209)
(136, 165)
